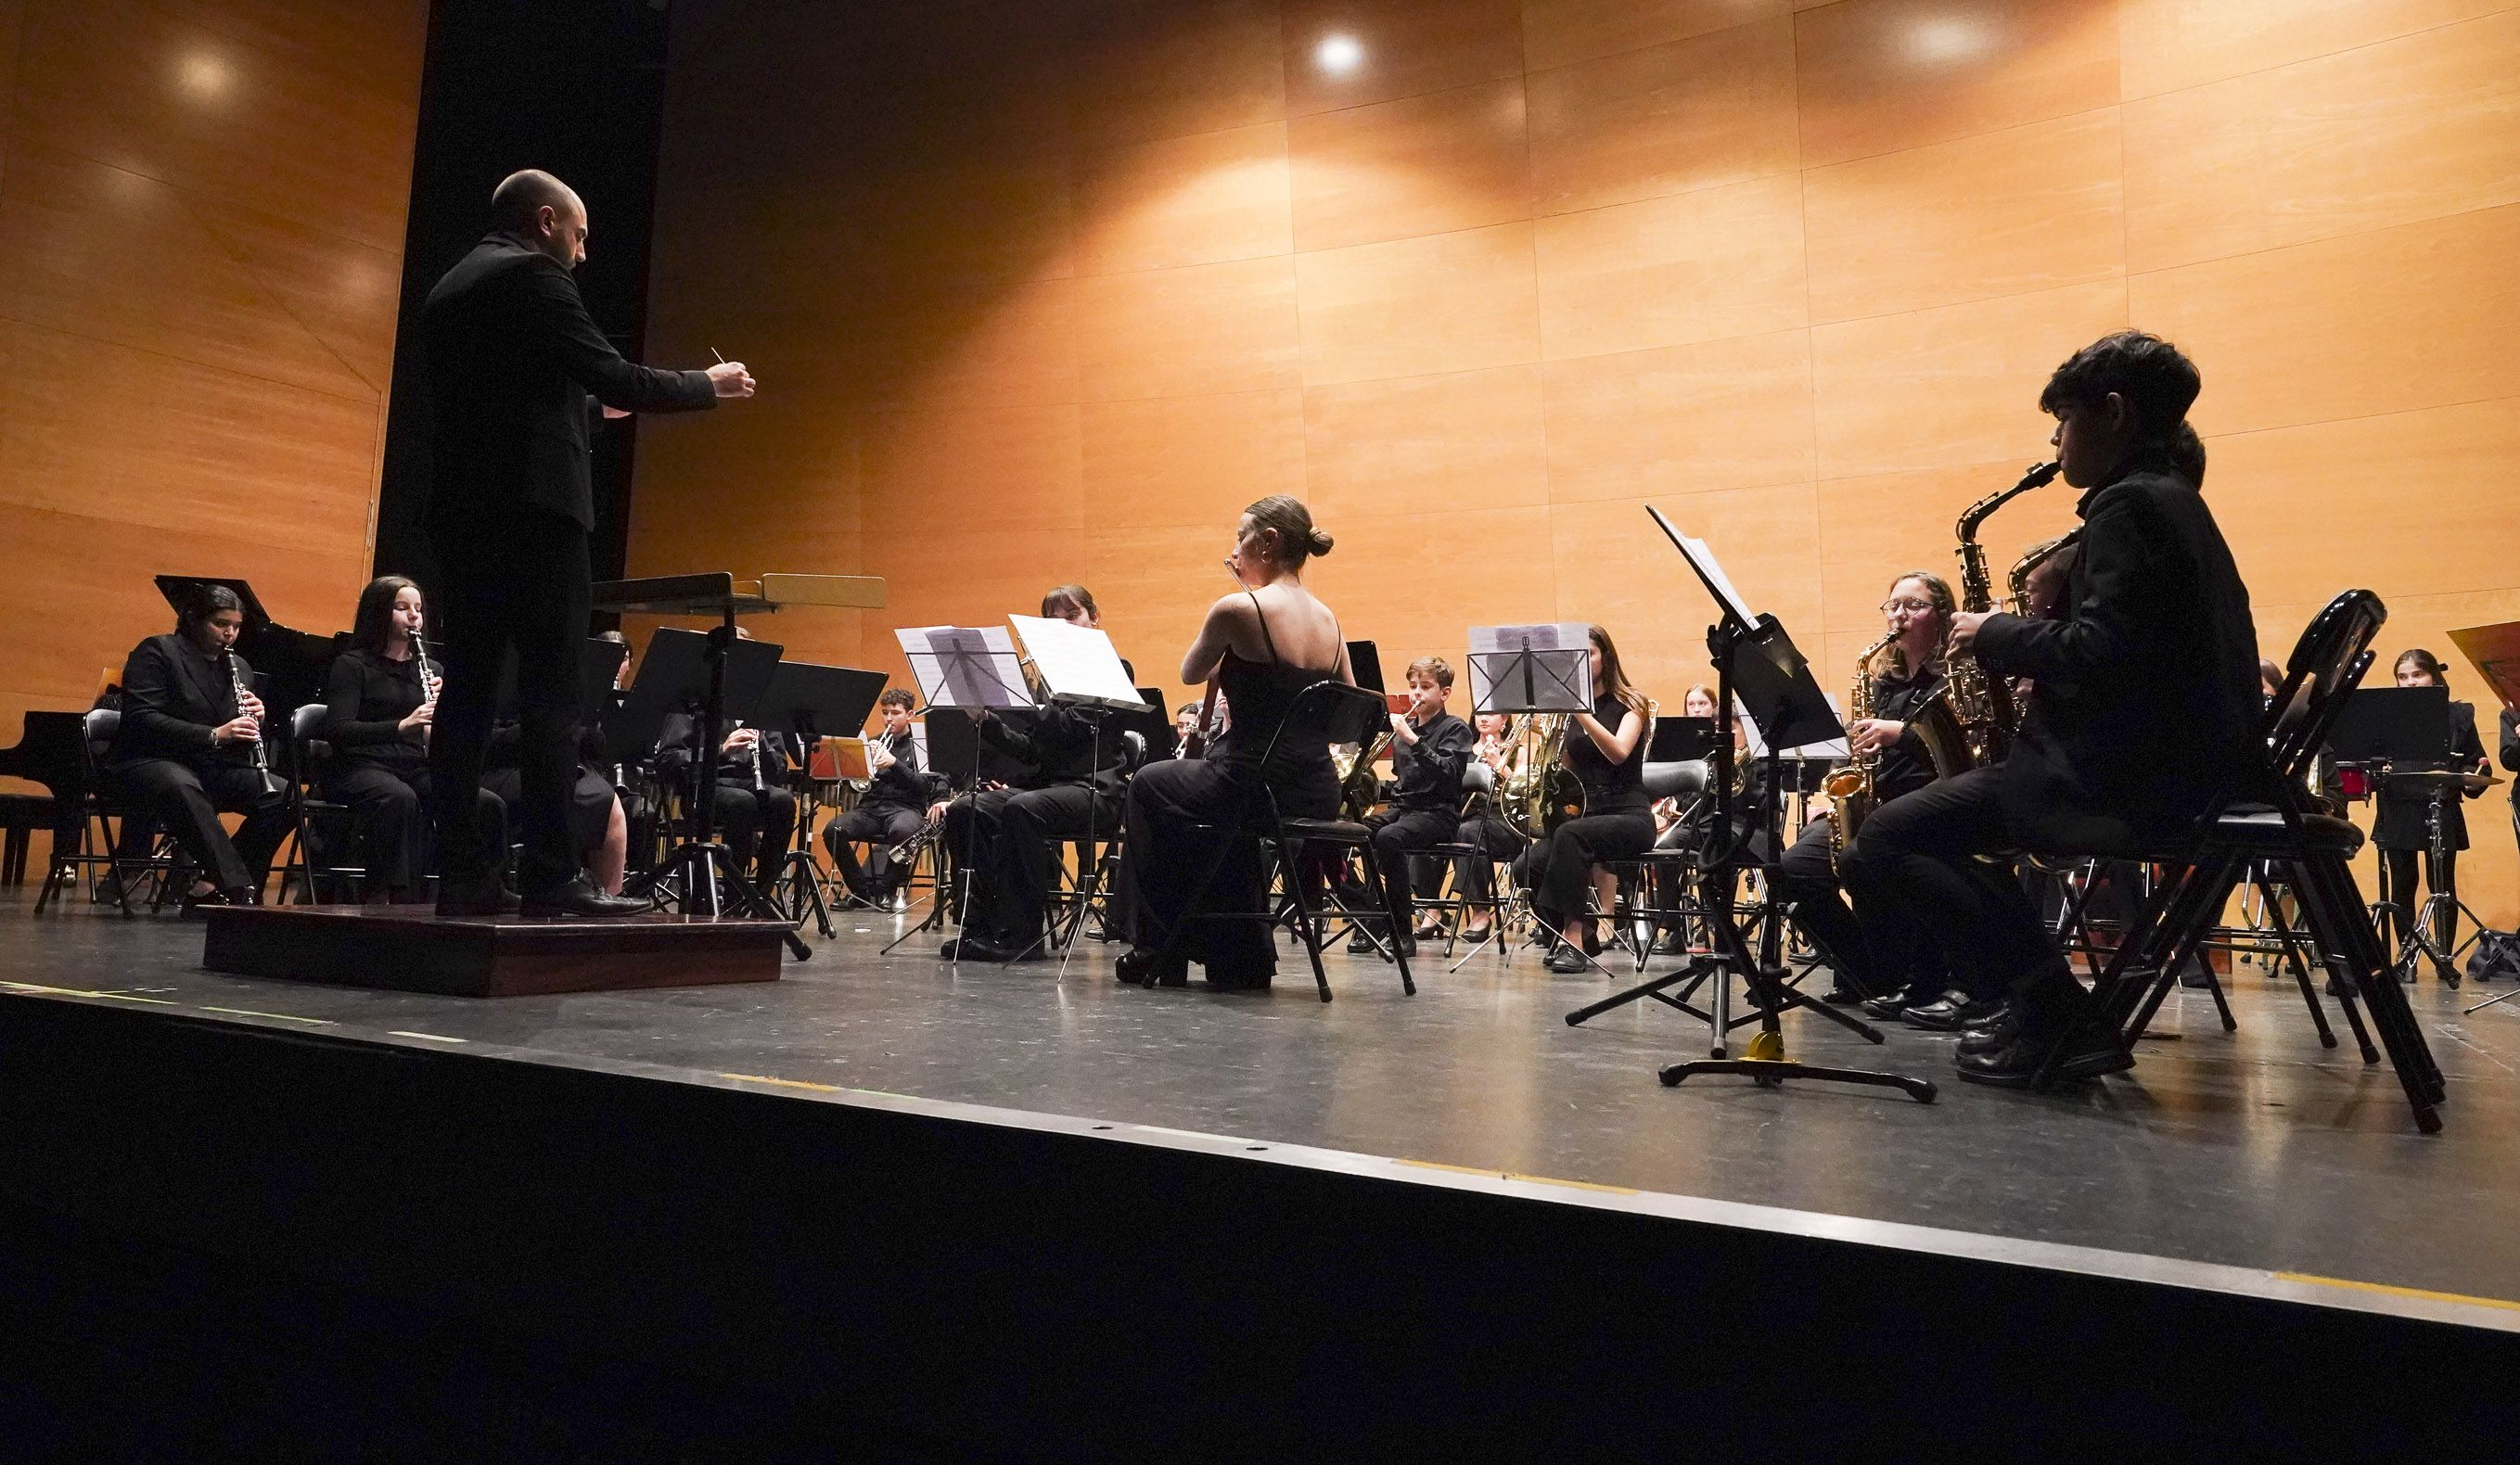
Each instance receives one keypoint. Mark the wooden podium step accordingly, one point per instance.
(414, 950)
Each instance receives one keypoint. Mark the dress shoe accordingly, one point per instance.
(1888, 1008)
(1361, 943)
(1993, 1037)
(1670, 944)
(1239, 981)
(578, 898)
(480, 895)
(1136, 966)
(1840, 995)
(2092, 1052)
(1565, 960)
(982, 948)
(195, 901)
(1407, 946)
(1954, 1012)
(1991, 1015)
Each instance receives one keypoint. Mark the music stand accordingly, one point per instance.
(970, 669)
(2495, 653)
(1083, 673)
(803, 697)
(1757, 658)
(1364, 664)
(2406, 732)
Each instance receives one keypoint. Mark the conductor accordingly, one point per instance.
(516, 369)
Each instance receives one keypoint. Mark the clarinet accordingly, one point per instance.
(757, 780)
(258, 753)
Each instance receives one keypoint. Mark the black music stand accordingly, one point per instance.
(1757, 659)
(2402, 734)
(803, 697)
(973, 669)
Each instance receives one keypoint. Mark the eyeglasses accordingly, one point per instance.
(1912, 607)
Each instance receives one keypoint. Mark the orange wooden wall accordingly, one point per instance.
(1048, 291)
(202, 211)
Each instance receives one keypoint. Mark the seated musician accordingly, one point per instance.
(2402, 819)
(1006, 839)
(1430, 750)
(1264, 646)
(1606, 747)
(379, 702)
(898, 798)
(1903, 676)
(755, 810)
(184, 754)
(599, 817)
(1209, 743)
(1483, 826)
(2147, 717)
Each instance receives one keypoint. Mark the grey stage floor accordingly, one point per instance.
(2257, 1148)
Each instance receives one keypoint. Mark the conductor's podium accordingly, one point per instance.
(411, 949)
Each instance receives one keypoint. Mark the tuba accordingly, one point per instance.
(1982, 704)
(1360, 788)
(1546, 793)
(1850, 788)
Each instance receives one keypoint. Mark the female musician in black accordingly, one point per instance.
(1871, 959)
(1263, 646)
(1606, 748)
(2402, 819)
(183, 754)
(379, 704)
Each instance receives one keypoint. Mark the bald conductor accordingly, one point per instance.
(516, 369)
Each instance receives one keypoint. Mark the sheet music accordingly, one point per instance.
(1562, 683)
(1077, 662)
(965, 666)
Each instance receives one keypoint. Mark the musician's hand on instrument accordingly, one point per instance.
(250, 705)
(1402, 729)
(419, 717)
(739, 739)
(1964, 624)
(1872, 734)
(235, 729)
(936, 811)
(731, 379)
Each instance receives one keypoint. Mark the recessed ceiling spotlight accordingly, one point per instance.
(1947, 39)
(1338, 55)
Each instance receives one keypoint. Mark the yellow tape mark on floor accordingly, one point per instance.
(425, 1036)
(1508, 1175)
(49, 990)
(312, 1022)
(2385, 1290)
(755, 1078)
(125, 996)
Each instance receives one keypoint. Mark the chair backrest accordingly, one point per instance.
(1679, 779)
(1326, 703)
(1478, 778)
(2328, 663)
(303, 724)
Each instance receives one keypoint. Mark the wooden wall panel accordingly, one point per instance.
(201, 208)
(1048, 292)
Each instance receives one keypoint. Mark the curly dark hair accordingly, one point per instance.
(2153, 378)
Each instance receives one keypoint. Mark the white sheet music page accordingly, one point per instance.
(964, 666)
(1077, 663)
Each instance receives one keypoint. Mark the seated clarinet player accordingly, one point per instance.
(1006, 839)
(1482, 826)
(755, 810)
(899, 801)
(1898, 677)
(1430, 750)
(598, 821)
(2147, 717)
(378, 700)
(189, 748)
(1606, 747)
(1262, 645)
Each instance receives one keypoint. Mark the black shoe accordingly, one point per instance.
(1407, 946)
(1136, 966)
(982, 948)
(1566, 962)
(1991, 1037)
(479, 895)
(1840, 995)
(1947, 1015)
(2092, 1052)
(1360, 943)
(1888, 1008)
(1991, 1015)
(192, 904)
(577, 898)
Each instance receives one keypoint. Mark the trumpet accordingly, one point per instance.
(258, 752)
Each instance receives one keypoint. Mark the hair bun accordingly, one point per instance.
(1319, 543)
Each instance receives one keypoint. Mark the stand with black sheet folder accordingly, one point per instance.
(714, 671)
(1754, 658)
(803, 699)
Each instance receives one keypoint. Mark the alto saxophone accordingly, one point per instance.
(1850, 788)
(1982, 704)
(2016, 581)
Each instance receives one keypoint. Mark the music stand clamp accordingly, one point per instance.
(1774, 680)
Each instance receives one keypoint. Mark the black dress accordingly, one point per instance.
(1617, 822)
(1178, 810)
(380, 767)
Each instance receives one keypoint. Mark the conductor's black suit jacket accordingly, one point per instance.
(513, 365)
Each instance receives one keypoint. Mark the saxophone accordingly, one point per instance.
(1983, 704)
(2016, 581)
(1850, 788)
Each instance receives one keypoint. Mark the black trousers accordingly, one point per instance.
(589, 806)
(881, 827)
(1002, 838)
(756, 827)
(388, 810)
(521, 583)
(1557, 869)
(1397, 834)
(1474, 876)
(2398, 868)
(1865, 952)
(186, 800)
(1911, 865)
(1179, 813)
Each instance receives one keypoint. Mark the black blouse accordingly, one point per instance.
(366, 697)
(1609, 787)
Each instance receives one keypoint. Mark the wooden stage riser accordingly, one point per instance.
(505, 956)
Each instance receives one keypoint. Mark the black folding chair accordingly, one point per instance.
(2328, 663)
(315, 823)
(101, 816)
(1258, 817)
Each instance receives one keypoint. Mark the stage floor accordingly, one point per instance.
(2257, 1149)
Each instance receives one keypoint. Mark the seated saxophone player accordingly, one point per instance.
(899, 797)
(1482, 826)
(188, 749)
(1897, 677)
(1430, 750)
(2147, 717)
(755, 810)
(1006, 839)
(379, 700)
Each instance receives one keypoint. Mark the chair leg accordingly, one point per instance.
(1307, 926)
(1383, 893)
(2287, 942)
(2358, 943)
